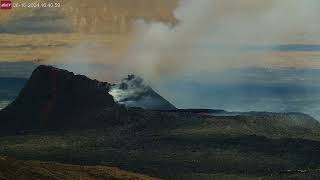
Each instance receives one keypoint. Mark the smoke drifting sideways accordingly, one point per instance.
(219, 35)
(215, 34)
(212, 35)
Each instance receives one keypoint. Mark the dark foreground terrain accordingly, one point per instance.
(72, 119)
(25, 170)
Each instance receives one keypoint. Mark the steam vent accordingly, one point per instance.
(133, 92)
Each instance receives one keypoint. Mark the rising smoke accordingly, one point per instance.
(218, 35)
(211, 35)
(215, 34)
(134, 92)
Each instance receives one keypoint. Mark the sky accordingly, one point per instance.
(207, 35)
(212, 35)
(215, 34)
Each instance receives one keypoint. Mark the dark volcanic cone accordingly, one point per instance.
(54, 99)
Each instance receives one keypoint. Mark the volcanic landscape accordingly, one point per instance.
(62, 117)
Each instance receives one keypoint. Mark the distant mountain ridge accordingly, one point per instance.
(9, 89)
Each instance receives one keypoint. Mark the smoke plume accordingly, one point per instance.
(215, 34)
(212, 35)
(211, 40)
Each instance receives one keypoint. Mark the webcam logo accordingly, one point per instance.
(5, 5)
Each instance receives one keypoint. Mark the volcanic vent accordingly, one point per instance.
(57, 99)
(133, 92)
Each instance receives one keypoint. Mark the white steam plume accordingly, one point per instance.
(214, 34)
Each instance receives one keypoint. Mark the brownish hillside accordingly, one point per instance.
(24, 170)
